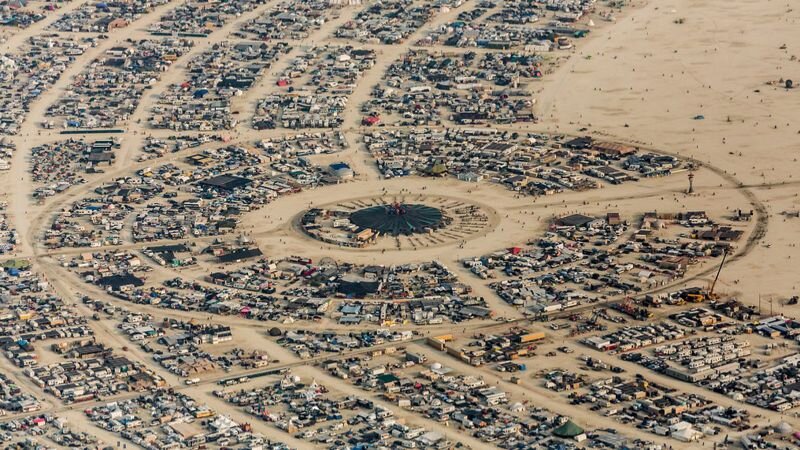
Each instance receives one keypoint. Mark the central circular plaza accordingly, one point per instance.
(399, 219)
(402, 221)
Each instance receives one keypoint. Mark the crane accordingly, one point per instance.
(711, 291)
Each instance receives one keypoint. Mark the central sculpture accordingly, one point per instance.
(397, 219)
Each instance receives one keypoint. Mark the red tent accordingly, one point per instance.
(371, 120)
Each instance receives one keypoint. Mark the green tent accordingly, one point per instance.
(387, 378)
(569, 430)
(19, 264)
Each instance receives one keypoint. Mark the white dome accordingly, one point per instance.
(783, 428)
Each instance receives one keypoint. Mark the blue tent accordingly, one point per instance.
(200, 93)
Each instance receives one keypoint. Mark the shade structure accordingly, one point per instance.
(398, 218)
(568, 430)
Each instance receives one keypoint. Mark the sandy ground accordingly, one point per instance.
(655, 76)
(77, 421)
(520, 219)
(642, 79)
(16, 36)
(535, 395)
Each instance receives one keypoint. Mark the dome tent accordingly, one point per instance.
(783, 428)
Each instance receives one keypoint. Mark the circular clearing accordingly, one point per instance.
(401, 221)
